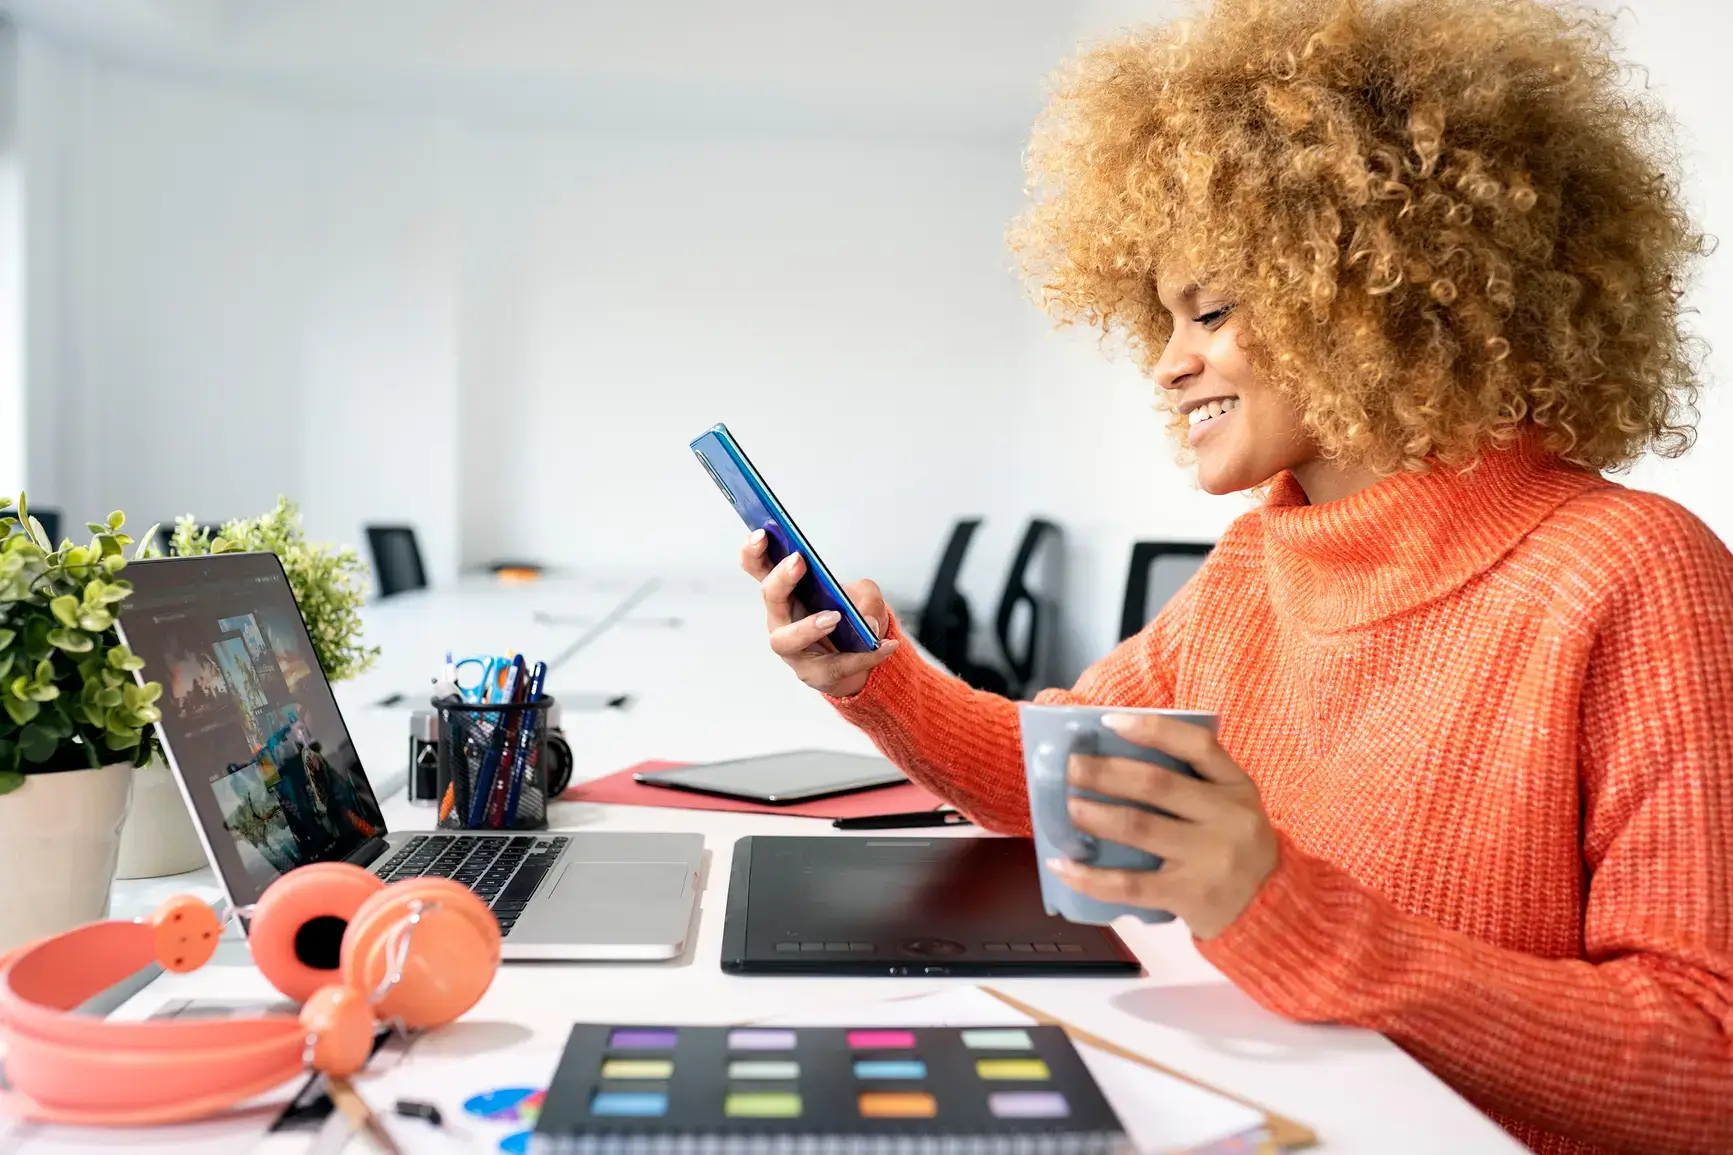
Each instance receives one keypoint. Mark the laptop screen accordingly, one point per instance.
(248, 718)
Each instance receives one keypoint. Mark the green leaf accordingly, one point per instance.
(10, 780)
(36, 645)
(7, 637)
(147, 543)
(114, 563)
(45, 672)
(44, 693)
(133, 696)
(93, 592)
(120, 739)
(116, 519)
(149, 692)
(95, 527)
(37, 743)
(41, 536)
(76, 711)
(109, 699)
(72, 641)
(77, 557)
(96, 621)
(65, 609)
(147, 715)
(21, 710)
(6, 661)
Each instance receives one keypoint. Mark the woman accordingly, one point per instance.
(1413, 268)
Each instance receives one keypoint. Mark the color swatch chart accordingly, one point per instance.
(945, 1083)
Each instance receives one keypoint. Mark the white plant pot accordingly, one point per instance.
(59, 842)
(158, 838)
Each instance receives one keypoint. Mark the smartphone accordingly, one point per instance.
(741, 484)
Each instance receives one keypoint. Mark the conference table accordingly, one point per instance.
(685, 661)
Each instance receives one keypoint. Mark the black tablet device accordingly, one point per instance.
(902, 906)
(780, 779)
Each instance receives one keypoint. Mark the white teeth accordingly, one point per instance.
(1211, 409)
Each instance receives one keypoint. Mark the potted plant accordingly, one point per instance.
(329, 584)
(74, 723)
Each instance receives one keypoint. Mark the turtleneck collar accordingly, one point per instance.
(1407, 539)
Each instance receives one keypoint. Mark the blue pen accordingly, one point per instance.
(483, 784)
(520, 764)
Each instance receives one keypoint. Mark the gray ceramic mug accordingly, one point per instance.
(1051, 735)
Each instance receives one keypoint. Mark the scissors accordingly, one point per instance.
(482, 679)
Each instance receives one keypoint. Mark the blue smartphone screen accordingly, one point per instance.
(758, 508)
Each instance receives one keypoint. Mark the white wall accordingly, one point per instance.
(234, 296)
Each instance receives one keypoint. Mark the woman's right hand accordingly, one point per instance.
(803, 641)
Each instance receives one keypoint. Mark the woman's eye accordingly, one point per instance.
(1214, 317)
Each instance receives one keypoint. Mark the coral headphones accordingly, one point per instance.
(352, 950)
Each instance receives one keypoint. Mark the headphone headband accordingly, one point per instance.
(419, 952)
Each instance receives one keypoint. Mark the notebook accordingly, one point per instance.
(909, 1090)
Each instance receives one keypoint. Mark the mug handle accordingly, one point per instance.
(1053, 802)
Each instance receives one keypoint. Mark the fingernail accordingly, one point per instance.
(890, 647)
(828, 619)
(757, 537)
(1118, 723)
(1058, 865)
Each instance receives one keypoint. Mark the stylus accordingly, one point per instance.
(902, 821)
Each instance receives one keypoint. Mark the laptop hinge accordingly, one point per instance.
(364, 854)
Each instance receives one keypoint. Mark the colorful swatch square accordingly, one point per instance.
(889, 1069)
(761, 1040)
(634, 1039)
(1010, 1039)
(881, 1040)
(898, 1105)
(1028, 1105)
(1012, 1070)
(631, 1104)
(764, 1069)
(638, 1069)
(761, 1105)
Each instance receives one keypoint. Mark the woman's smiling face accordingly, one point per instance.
(1242, 433)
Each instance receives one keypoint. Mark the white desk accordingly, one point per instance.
(710, 688)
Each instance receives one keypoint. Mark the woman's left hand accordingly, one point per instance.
(1216, 850)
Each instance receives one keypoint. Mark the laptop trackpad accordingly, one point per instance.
(620, 882)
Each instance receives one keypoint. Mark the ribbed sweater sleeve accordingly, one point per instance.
(1630, 1047)
(965, 745)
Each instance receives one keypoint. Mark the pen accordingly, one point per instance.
(482, 788)
(494, 816)
(527, 735)
(899, 821)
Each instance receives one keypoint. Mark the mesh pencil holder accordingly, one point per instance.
(502, 752)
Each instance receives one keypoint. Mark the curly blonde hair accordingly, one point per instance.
(1447, 224)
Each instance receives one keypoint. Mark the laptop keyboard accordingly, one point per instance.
(504, 871)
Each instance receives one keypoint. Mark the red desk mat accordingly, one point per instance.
(620, 790)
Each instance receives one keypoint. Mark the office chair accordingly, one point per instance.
(945, 622)
(396, 559)
(1182, 558)
(1022, 659)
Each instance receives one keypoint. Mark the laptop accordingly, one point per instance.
(254, 737)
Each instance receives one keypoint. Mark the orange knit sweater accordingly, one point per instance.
(1491, 717)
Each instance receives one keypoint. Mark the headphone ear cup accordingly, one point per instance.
(340, 1023)
(301, 921)
(452, 955)
(184, 934)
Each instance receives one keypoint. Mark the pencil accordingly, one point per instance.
(360, 1115)
(1288, 1134)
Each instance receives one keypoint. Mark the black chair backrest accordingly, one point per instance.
(396, 559)
(1186, 557)
(1020, 659)
(945, 622)
(49, 518)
